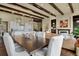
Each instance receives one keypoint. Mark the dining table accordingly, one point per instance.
(31, 45)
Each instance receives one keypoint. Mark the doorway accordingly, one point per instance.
(75, 22)
(37, 25)
(3, 27)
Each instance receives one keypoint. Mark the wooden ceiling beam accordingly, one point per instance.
(19, 11)
(43, 9)
(17, 14)
(71, 7)
(29, 9)
(54, 6)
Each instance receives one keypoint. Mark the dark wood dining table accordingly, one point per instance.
(31, 45)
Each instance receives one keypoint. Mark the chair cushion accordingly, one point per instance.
(18, 48)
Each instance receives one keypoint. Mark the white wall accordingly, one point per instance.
(69, 17)
(58, 18)
(65, 17)
(12, 19)
(46, 25)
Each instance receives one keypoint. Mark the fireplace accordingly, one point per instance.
(64, 31)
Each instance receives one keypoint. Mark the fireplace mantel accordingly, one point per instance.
(63, 31)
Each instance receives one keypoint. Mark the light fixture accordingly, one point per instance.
(77, 21)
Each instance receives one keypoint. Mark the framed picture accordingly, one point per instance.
(63, 23)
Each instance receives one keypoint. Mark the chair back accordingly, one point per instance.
(40, 39)
(55, 46)
(40, 36)
(9, 44)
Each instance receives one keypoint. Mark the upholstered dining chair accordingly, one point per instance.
(10, 46)
(40, 38)
(54, 47)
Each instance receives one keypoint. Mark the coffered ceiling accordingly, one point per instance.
(39, 10)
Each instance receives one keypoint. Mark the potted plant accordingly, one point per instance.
(76, 32)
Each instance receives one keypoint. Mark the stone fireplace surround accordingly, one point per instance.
(63, 31)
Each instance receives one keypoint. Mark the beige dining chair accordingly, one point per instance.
(40, 38)
(54, 47)
(10, 47)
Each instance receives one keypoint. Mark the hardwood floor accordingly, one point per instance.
(2, 49)
(66, 52)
